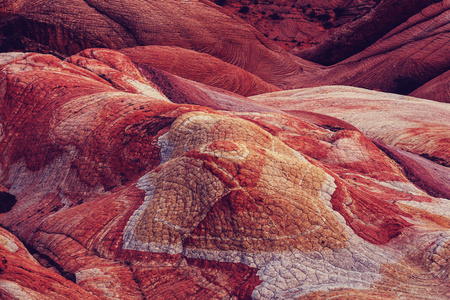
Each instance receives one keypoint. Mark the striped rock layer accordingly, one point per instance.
(127, 188)
(392, 46)
(171, 150)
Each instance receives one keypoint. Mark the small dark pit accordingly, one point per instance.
(244, 10)
(7, 201)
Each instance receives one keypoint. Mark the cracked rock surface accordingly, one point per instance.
(131, 195)
(169, 150)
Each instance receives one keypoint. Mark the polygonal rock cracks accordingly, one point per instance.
(228, 185)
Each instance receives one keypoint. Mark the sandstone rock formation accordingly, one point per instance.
(408, 38)
(326, 32)
(403, 59)
(131, 195)
(414, 51)
(437, 89)
(152, 150)
(199, 26)
(360, 24)
(416, 125)
(199, 67)
(23, 277)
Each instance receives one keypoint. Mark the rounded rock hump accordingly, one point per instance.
(230, 186)
(397, 120)
(24, 276)
(200, 26)
(200, 67)
(136, 183)
(437, 89)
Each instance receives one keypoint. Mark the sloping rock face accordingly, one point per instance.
(326, 32)
(408, 38)
(418, 126)
(200, 67)
(437, 89)
(359, 40)
(200, 26)
(358, 24)
(132, 195)
(134, 165)
(405, 58)
(23, 277)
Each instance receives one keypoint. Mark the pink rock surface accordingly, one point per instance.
(412, 43)
(431, 177)
(200, 67)
(136, 196)
(200, 26)
(140, 169)
(357, 25)
(437, 89)
(326, 32)
(23, 277)
(412, 124)
(405, 58)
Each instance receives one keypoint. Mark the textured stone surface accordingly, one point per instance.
(408, 38)
(146, 173)
(325, 31)
(131, 195)
(437, 89)
(200, 67)
(358, 24)
(199, 26)
(405, 58)
(416, 125)
(22, 277)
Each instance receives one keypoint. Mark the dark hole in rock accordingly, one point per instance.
(221, 2)
(275, 16)
(7, 201)
(244, 9)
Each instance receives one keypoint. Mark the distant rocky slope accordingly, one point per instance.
(392, 46)
(170, 150)
(324, 31)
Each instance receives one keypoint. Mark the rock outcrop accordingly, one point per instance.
(418, 126)
(170, 150)
(407, 57)
(415, 51)
(359, 24)
(415, 125)
(132, 195)
(392, 46)
(325, 32)
(23, 277)
(437, 89)
(200, 67)
(199, 26)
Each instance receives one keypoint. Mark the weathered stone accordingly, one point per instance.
(131, 195)
(146, 173)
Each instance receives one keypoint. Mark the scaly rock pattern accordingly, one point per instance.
(134, 166)
(132, 195)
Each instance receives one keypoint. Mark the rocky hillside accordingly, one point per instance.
(186, 150)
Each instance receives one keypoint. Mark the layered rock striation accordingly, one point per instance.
(131, 195)
(410, 39)
(172, 151)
